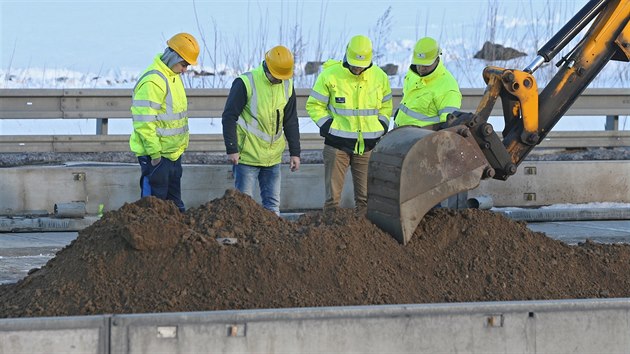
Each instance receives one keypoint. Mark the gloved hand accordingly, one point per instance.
(323, 130)
(450, 119)
(155, 162)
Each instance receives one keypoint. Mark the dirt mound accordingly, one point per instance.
(148, 257)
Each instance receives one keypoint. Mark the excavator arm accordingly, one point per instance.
(413, 169)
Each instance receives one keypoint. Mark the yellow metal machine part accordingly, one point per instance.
(412, 169)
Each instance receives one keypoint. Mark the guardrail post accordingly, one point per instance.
(612, 123)
(101, 126)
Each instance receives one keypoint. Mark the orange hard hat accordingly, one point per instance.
(279, 61)
(186, 46)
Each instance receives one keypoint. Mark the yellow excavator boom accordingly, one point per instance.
(413, 169)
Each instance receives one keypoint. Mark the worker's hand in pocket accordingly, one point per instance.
(294, 163)
(323, 130)
(233, 158)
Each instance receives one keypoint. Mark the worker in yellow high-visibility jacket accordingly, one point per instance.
(351, 103)
(160, 119)
(260, 114)
(430, 92)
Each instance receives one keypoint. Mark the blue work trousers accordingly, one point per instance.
(162, 181)
(245, 177)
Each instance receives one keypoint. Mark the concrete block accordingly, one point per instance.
(577, 326)
(84, 334)
(536, 183)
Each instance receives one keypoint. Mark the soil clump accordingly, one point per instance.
(148, 257)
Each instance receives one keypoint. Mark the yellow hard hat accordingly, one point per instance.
(279, 61)
(186, 46)
(359, 51)
(426, 51)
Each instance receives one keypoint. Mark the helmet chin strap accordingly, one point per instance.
(349, 66)
(269, 75)
(415, 67)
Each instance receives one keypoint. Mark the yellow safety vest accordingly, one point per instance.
(357, 104)
(260, 125)
(160, 113)
(428, 100)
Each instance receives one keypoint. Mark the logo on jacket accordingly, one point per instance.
(340, 100)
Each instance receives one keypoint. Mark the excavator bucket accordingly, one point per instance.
(413, 169)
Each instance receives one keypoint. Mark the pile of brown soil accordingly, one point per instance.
(148, 257)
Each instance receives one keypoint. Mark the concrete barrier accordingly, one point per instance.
(576, 326)
(44, 224)
(536, 183)
(85, 334)
(40, 188)
(539, 183)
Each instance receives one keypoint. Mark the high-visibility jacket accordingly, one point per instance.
(352, 111)
(160, 113)
(259, 127)
(428, 100)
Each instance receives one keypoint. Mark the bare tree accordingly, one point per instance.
(380, 34)
(323, 8)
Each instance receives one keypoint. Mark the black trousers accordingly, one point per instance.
(163, 180)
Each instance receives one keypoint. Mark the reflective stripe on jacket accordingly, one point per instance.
(360, 106)
(428, 100)
(160, 113)
(259, 127)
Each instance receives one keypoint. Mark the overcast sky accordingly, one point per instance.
(96, 35)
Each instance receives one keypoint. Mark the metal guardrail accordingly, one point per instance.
(105, 104)
(214, 142)
(209, 103)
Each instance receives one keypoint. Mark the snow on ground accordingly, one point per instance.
(469, 75)
(466, 69)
